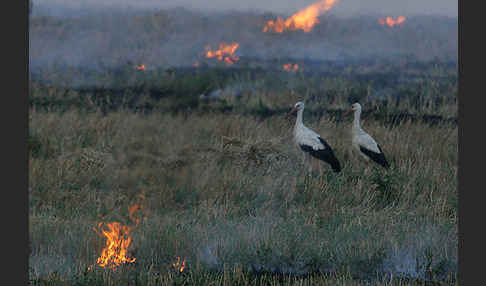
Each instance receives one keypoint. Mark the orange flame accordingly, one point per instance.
(304, 19)
(225, 52)
(196, 64)
(178, 266)
(289, 67)
(141, 67)
(118, 239)
(117, 242)
(390, 22)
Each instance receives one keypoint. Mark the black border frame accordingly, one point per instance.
(15, 23)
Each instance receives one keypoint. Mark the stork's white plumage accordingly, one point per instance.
(363, 143)
(312, 143)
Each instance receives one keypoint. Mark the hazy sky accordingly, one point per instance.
(341, 8)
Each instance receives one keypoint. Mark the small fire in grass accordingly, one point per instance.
(304, 20)
(140, 67)
(118, 239)
(226, 52)
(179, 266)
(390, 22)
(196, 64)
(290, 67)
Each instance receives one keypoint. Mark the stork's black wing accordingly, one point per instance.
(377, 157)
(326, 155)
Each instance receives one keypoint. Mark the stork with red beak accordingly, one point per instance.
(312, 143)
(362, 142)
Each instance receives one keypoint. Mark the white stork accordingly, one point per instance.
(363, 142)
(312, 143)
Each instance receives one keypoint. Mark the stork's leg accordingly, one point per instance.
(319, 165)
(310, 164)
(295, 184)
(367, 166)
(315, 164)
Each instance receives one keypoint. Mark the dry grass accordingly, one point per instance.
(229, 194)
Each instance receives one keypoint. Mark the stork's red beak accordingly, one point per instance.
(290, 113)
(348, 112)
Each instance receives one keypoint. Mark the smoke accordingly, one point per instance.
(343, 8)
(419, 255)
(83, 36)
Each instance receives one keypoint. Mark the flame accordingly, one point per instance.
(228, 60)
(390, 22)
(196, 64)
(139, 207)
(225, 52)
(141, 67)
(178, 266)
(305, 19)
(289, 67)
(118, 240)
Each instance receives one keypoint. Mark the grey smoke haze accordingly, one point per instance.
(341, 8)
(111, 35)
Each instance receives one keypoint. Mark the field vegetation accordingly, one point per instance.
(206, 154)
(222, 185)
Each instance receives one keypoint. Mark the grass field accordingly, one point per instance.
(221, 184)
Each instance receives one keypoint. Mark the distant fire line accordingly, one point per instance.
(140, 67)
(390, 22)
(304, 20)
(224, 53)
(290, 67)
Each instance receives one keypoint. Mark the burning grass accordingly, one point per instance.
(141, 67)
(179, 265)
(227, 194)
(390, 21)
(175, 37)
(226, 53)
(118, 239)
(303, 20)
(291, 67)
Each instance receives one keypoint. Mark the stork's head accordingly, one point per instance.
(298, 106)
(354, 107)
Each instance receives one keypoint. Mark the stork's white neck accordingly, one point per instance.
(299, 117)
(357, 115)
